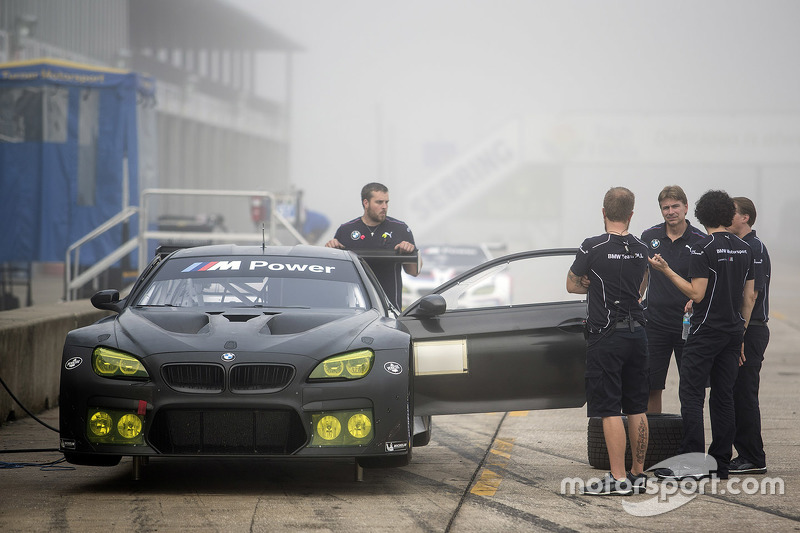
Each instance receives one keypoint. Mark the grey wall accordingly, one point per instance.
(31, 342)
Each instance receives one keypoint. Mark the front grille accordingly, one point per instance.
(194, 377)
(260, 378)
(227, 431)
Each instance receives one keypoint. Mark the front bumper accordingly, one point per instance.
(210, 411)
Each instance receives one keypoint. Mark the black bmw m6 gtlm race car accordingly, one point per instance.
(282, 352)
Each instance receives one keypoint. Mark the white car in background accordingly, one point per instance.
(443, 262)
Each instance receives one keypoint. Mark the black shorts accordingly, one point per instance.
(660, 345)
(616, 373)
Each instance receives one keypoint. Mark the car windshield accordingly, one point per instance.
(255, 282)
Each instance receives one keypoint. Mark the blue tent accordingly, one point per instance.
(66, 133)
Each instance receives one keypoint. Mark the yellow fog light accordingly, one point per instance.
(353, 365)
(359, 425)
(329, 427)
(112, 363)
(100, 423)
(129, 426)
(110, 426)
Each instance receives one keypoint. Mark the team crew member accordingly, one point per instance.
(375, 230)
(748, 442)
(721, 287)
(664, 305)
(610, 268)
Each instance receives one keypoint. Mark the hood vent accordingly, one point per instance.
(178, 322)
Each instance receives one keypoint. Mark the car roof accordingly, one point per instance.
(300, 250)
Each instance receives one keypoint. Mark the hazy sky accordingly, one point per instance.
(381, 85)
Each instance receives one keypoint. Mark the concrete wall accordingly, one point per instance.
(31, 342)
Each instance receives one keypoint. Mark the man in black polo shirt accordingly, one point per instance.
(721, 287)
(610, 268)
(375, 230)
(664, 305)
(748, 442)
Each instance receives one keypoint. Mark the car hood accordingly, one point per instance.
(302, 332)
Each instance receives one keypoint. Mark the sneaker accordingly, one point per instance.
(638, 482)
(681, 471)
(608, 486)
(740, 465)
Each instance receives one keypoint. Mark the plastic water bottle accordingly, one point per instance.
(687, 322)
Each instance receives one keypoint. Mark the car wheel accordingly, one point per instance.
(86, 459)
(666, 433)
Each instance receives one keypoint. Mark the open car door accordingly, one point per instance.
(503, 336)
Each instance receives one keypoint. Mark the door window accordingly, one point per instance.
(526, 281)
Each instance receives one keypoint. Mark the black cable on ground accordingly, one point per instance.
(31, 450)
(46, 467)
(48, 426)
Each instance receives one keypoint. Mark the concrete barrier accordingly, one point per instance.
(31, 342)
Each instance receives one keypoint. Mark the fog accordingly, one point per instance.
(636, 93)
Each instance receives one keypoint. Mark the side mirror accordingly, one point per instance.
(107, 300)
(430, 306)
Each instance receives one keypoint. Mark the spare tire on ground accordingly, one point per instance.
(666, 433)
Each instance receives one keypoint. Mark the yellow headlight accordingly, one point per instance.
(333, 368)
(359, 367)
(353, 365)
(112, 363)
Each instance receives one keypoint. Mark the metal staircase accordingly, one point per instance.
(74, 279)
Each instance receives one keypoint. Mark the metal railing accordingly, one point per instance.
(74, 280)
(72, 263)
(276, 219)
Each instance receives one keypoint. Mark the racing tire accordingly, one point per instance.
(666, 433)
(86, 459)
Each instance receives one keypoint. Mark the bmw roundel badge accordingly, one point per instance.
(655, 243)
(228, 356)
(355, 235)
